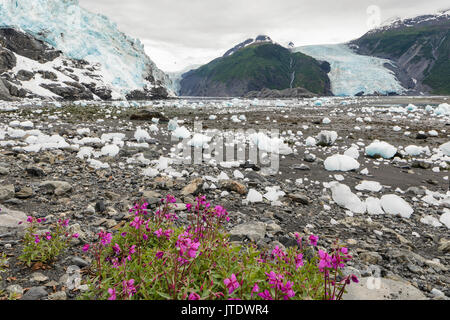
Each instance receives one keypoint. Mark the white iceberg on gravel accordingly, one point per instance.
(310, 142)
(382, 149)
(393, 204)
(271, 145)
(340, 163)
(374, 206)
(352, 152)
(181, 133)
(443, 109)
(430, 220)
(413, 150)
(110, 150)
(373, 186)
(141, 135)
(254, 196)
(445, 218)
(445, 148)
(345, 198)
(326, 138)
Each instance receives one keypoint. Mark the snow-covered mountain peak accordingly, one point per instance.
(248, 42)
(402, 22)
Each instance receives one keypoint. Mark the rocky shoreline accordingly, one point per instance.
(95, 191)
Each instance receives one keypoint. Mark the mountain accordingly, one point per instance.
(419, 47)
(56, 49)
(253, 65)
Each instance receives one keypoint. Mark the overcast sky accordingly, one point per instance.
(180, 33)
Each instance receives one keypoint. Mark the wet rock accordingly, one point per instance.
(60, 295)
(299, 198)
(24, 193)
(193, 188)
(148, 115)
(372, 288)
(35, 171)
(57, 187)
(253, 231)
(370, 257)
(35, 293)
(7, 192)
(231, 185)
(11, 218)
(100, 206)
(15, 290)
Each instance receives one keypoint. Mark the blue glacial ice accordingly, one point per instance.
(352, 73)
(80, 34)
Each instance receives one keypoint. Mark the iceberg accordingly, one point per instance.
(382, 149)
(340, 163)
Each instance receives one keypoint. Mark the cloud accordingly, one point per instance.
(177, 32)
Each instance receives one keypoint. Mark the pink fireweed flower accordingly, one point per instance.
(287, 289)
(275, 279)
(112, 294)
(128, 287)
(194, 296)
(186, 244)
(86, 247)
(160, 254)
(132, 249)
(278, 253)
(298, 261)
(325, 260)
(48, 236)
(354, 278)
(36, 239)
(313, 240)
(231, 283)
(136, 223)
(29, 219)
(105, 238)
(265, 295)
(255, 289)
(159, 233)
(144, 236)
(75, 235)
(188, 206)
(116, 248)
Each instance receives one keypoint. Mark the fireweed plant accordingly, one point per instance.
(44, 247)
(153, 258)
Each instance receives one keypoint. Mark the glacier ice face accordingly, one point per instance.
(352, 73)
(80, 34)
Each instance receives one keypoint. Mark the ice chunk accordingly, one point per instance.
(340, 163)
(273, 145)
(445, 218)
(110, 150)
(310, 142)
(352, 152)
(254, 196)
(141, 135)
(413, 150)
(374, 206)
(372, 186)
(430, 220)
(393, 204)
(345, 198)
(181, 133)
(381, 148)
(445, 148)
(326, 138)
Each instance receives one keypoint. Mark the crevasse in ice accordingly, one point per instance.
(80, 34)
(352, 73)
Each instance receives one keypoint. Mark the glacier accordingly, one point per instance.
(83, 35)
(352, 73)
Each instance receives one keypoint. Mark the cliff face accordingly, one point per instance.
(253, 66)
(420, 48)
